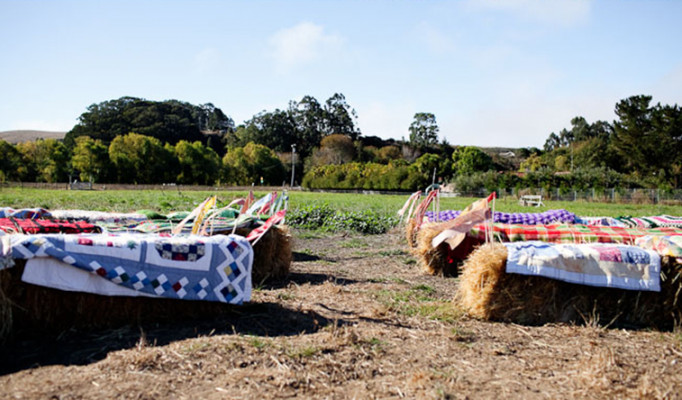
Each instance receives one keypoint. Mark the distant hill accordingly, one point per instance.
(15, 137)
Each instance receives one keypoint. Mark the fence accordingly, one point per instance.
(611, 195)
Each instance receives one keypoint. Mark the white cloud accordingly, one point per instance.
(561, 12)
(302, 44)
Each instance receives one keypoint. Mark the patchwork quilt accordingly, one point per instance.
(595, 264)
(601, 221)
(564, 233)
(664, 245)
(216, 268)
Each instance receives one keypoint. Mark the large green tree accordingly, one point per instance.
(246, 165)
(91, 159)
(169, 121)
(142, 159)
(423, 130)
(44, 160)
(469, 159)
(10, 162)
(340, 118)
(198, 164)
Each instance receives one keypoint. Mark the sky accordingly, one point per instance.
(495, 73)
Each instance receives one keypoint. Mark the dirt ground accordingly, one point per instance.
(355, 319)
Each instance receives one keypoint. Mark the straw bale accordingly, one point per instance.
(487, 292)
(35, 307)
(440, 260)
(5, 306)
(272, 254)
(411, 233)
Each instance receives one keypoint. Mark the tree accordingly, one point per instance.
(10, 162)
(246, 165)
(334, 149)
(423, 130)
(275, 130)
(197, 163)
(309, 118)
(91, 159)
(468, 159)
(388, 153)
(169, 121)
(340, 117)
(45, 160)
(142, 159)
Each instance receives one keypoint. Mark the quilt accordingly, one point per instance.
(601, 221)
(543, 218)
(24, 213)
(595, 264)
(35, 226)
(98, 216)
(564, 233)
(670, 246)
(652, 222)
(216, 268)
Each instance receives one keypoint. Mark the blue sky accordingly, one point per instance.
(494, 73)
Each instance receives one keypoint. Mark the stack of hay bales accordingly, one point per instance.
(487, 292)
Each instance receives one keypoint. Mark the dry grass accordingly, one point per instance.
(343, 325)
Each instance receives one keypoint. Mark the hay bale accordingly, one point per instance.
(487, 292)
(36, 308)
(440, 260)
(272, 254)
(411, 233)
(5, 306)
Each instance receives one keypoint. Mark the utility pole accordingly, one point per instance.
(293, 164)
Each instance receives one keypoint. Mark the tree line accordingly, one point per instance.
(132, 140)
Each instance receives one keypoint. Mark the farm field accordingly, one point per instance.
(355, 319)
(173, 200)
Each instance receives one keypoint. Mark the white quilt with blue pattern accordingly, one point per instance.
(213, 268)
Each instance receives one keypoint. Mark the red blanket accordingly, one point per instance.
(34, 226)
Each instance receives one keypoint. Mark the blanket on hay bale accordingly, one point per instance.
(103, 280)
(487, 291)
(27, 307)
(444, 260)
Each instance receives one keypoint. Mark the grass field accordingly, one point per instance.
(167, 201)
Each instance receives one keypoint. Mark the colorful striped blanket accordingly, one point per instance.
(216, 268)
(564, 233)
(595, 264)
(652, 222)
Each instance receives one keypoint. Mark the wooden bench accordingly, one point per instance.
(530, 200)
